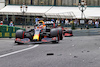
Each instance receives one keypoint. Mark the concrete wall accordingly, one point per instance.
(2, 3)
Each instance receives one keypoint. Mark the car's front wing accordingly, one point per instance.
(27, 40)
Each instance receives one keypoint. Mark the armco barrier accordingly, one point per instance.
(8, 31)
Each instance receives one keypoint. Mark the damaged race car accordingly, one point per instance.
(40, 34)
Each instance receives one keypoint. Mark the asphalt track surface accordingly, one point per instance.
(76, 51)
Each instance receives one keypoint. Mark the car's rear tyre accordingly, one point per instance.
(54, 32)
(60, 33)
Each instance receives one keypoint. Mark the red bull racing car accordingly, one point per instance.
(40, 34)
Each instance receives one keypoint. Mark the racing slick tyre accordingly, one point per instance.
(54, 32)
(60, 33)
(20, 34)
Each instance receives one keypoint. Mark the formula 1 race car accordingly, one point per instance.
(66, 32)
(40, 34)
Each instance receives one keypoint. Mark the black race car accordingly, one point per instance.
(66, 32)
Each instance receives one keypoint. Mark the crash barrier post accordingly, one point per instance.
(8, 31)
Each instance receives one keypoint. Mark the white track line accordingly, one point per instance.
(18, 51)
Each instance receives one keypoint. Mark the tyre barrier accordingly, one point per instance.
(8, 31)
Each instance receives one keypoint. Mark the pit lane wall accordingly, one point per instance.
(8, 31)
